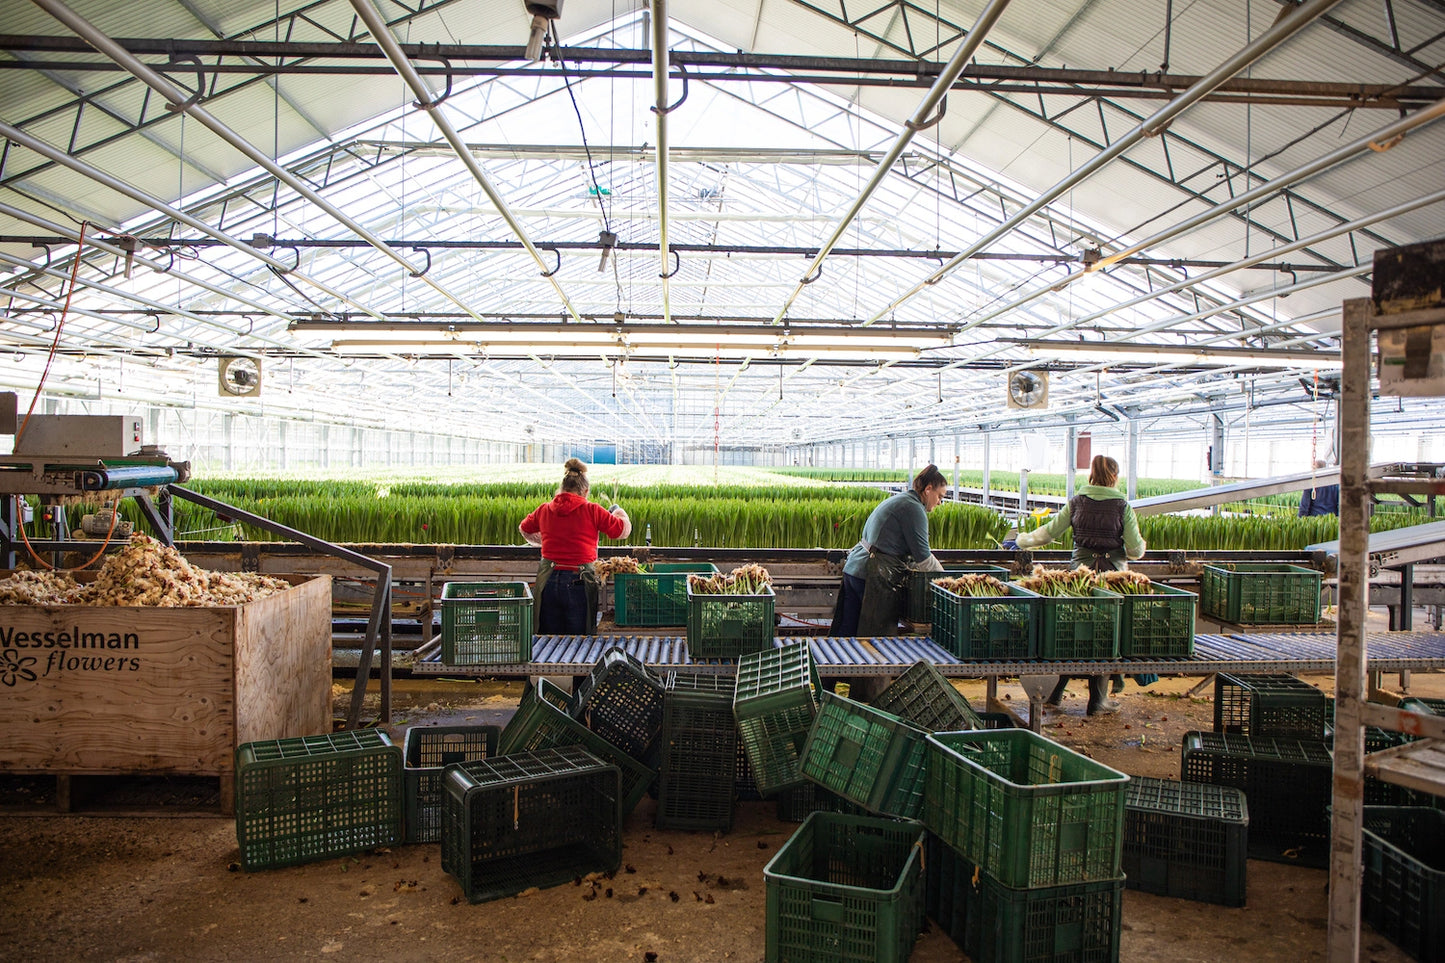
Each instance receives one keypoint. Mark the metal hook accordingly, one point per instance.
(814, 276)
(676, 264)
(47, 252)
(1286, 269)
(157, 316)
(250, 323)
(663, 111)
(558, 252)
(195, 97)
(422, 272)
(924, 125)
(170, 261)
(445, 94)
(297, 251)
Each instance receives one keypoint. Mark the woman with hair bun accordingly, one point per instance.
(1106, 536)
(567, 529)
(894, 543)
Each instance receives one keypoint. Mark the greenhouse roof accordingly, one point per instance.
(1161, 217)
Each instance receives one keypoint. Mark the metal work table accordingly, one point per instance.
(857, 657)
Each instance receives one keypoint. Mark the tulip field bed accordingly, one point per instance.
(680, 505)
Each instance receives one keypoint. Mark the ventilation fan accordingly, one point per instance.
(1028, 389)
(239, 377)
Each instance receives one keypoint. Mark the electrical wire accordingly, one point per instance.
(587, 149)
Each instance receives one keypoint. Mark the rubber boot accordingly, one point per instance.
(1099, 701)
(1116, 685)
(1057, 696)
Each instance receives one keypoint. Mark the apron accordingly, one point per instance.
(591, 584)
(884, 594)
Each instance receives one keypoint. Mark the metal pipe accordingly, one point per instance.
(923, 117)
(660, 68)
(381, 33)
(181, 102)
(1288, 24)
(18, 136)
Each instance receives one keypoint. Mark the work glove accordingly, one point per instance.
(1010, 545)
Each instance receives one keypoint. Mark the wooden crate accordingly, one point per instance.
(96, 690)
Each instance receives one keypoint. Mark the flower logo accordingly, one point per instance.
(14, 668)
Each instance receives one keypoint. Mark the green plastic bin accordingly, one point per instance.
(983, 629)
(1256, 593)
(920, 600)
(867, 756)
(1074, 627)
(1159, 625)
(925, 698)
(486, 623)
(729, 626)
(1188, 840)
(845, 889)
(775, 703)
(698, 779)
(1026, 809)
(429, 750)
(657, 597)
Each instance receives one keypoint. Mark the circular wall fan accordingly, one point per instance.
(1028, 389)
(239, 377)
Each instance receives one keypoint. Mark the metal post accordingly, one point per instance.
(1071, 439)
(957, 457)
(985, 468)
(1343, 935)
(1133, 490)
(1407, 598)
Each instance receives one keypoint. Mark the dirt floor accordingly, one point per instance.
(136, 882)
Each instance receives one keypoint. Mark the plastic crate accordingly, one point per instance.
(925, 698)
(867, 756)
(794, 805)
(994, 923)
(980, 628)
(1188, 840)
(428, 750)
(530, 819)
(486, 623)
(845, 889)
(1287, 783)
(775, 702)
(729, 626)
(315, 797)
(920, 600)
(744, 783)
(1159, 625)
(1080, 628)
(655, 597)
(1403, 894)
(538, 724)
(621, 701)
(1026, 809)
(1269, 704)
(1260, 594)
(699, 753)
(1419, 704)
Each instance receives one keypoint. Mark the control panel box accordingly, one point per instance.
(81, 436)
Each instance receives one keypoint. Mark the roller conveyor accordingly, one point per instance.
(886, 656)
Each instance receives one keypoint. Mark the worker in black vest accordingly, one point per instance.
(1106, 535)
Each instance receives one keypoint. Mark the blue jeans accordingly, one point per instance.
(850, 606)
(564, 606)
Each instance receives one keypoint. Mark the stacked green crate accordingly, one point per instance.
(867, 756)
(315, 797)
(986, 628)
(428, 750)
(1158, 624)
(925, 698)
(657, 597)
(729, 626)
(486, 623)
(1074, 627)
(845, 889)
(1287, 783)
(530, 819)
(699, 753)
(775, 703)
(539, 724)
(920, 600)
(1251, 593)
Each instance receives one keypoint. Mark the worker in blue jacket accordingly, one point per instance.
(1324, 500)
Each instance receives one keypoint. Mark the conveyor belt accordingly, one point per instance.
(852, 657)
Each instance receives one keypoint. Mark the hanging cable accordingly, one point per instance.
(607, 238)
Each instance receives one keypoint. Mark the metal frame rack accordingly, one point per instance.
(1418, 765)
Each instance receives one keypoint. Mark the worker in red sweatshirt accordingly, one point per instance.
(567, 529)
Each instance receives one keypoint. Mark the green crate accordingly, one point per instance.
(1287, 783)
(981, 629)
(1159, 625)
(845, 889)
(993, 923)
(538, 724)
(729, 626)
(775, 703)
(920, 600)
(656, 597)
(1189, 840)
(867, 756)
(1248, 593)
(1269, 704)
(530, 819)
(315, 797)
(1080, 628)
(796, 803)
(427, 751)
(1418, 704)
(486, 623)
(1026, 809)
(621, 701)
(1403, 893)
(697, 783)
(925, 698)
